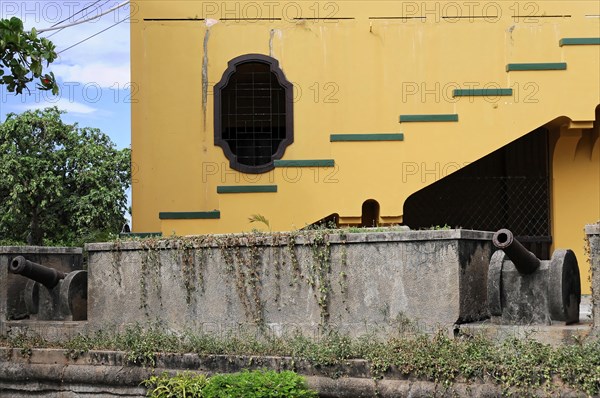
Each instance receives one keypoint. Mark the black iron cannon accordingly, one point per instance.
(523, 289)
(48, 277)
(51, 294)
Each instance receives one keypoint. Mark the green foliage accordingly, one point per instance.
(143, 344)
(23, 54)
(182, 385)
(255, 384)
(440, 227)
(258, 384)
(522, 367)
(258, 218)
(23, 341)
(59, 183)
(578, 365)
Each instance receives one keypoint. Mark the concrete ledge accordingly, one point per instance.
(50, 373)
(51, 330)
(592, 229)
(39, 250)
(556, 335)
(302, 238)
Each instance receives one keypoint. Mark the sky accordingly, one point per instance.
(93, 76)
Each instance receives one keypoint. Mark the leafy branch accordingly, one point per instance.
(23, 54)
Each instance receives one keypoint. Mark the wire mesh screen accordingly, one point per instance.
(506, 189)
(253, 114)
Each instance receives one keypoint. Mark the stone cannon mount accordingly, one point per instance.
(524, 290)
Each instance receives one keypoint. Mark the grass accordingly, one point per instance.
(521, 365)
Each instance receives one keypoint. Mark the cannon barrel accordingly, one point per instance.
(524, 260)
(48, 277)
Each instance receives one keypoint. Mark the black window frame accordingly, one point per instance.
(289, 112)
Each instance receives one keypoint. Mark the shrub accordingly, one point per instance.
(258, 384)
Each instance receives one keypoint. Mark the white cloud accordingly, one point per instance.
(89, 56)
(62, 104)
(103, 74)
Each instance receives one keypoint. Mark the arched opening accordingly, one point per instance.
(370, 214)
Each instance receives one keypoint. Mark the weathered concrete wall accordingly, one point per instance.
(355, 282)
(593, 234)
(52, 374)
(12, 302)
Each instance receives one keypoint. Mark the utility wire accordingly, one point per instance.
(85, 20)
(78, 19)
(94, 35)
(78, 12)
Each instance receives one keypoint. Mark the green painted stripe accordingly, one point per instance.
(539, 66)
(429, 118)
(366, 137)
(488, 92)
(140, 234)
(576, 41)
(190, 215)
(246, 188)
(305, 163)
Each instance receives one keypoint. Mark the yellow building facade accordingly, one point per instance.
(310, 110)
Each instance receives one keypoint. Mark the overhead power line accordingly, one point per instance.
(86, 20)
(94, 35)
(78, 19)
(78, 12)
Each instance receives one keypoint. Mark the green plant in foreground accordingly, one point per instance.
(183, 385)
(258, 384)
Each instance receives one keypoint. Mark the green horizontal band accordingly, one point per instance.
(488, 92)
(576, 41)
(305, 163)
(191, 215)
(429, 118)
(539, 66)
(247, 188)
(366, 137)
(140, 234)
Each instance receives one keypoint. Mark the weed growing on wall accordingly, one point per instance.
(522, 367)
(343, 276)
(247, 258)
(319, 271)
(243, 258)
(116, 262)
(191, 254)
(293, 255)
(151, 266)
(587, 253)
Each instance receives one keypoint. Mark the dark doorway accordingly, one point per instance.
(508, 188)
(370, 214)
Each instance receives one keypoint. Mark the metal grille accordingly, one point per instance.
(253, 114)
(506, 189)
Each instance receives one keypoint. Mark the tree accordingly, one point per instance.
(23, 54)
(59, 183)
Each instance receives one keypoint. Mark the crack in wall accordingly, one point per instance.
(205, 75)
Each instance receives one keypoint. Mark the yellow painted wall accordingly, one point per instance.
(576, 191)
(354, 75)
